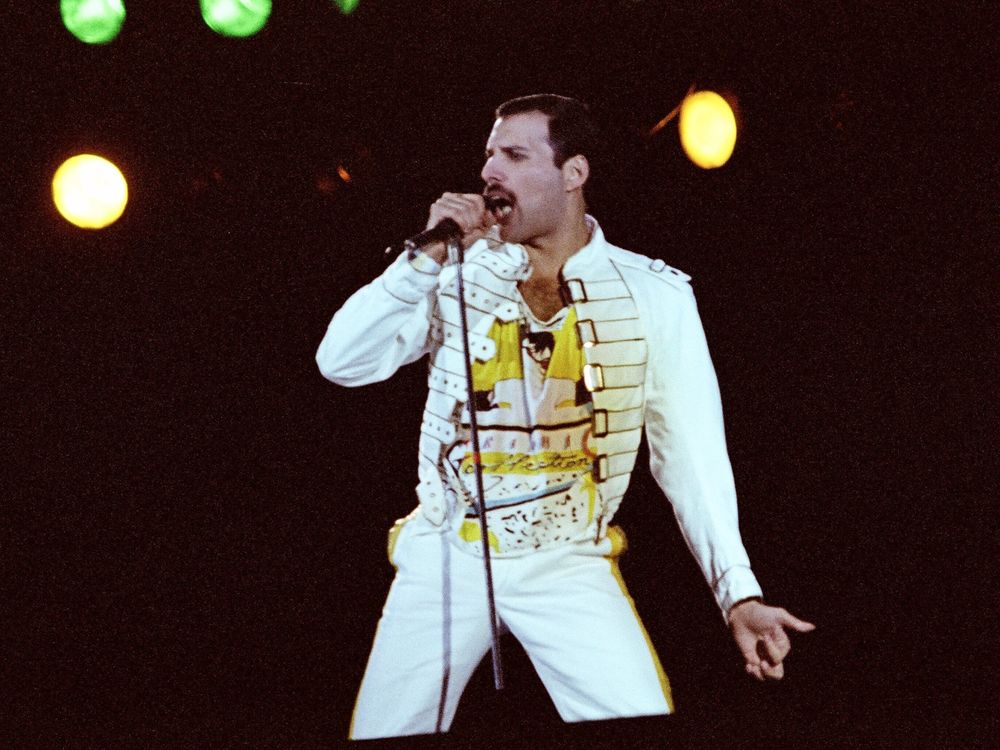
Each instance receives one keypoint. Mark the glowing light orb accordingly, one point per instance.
(236, 17)
(89, 191)
(346, 6)
(708, 129)
(93, 21)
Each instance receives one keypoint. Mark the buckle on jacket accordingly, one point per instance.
(587, 332)
(593, 377)
(600, 422)
(600, 469)
(573, 291)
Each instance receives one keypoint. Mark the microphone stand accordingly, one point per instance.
(457, 253)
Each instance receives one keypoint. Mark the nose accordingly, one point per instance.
(490, 172)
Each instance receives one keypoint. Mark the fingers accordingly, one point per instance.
(763, 670)
(773, 672)
(760, 634)
(774, 647)
(764, 659)
(468, 210)
(789, 620)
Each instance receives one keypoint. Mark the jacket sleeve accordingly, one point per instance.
(382, 326)
(687, 442)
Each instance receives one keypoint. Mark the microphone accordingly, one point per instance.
(448, 229)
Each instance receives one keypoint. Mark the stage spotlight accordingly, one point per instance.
(89, 191)
(707, 129)
(346, 6)
(93, 21)
(236, 17)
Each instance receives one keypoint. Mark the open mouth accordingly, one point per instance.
(499, 203)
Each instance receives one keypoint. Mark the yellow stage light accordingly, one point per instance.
(89, 191)
(707, 129)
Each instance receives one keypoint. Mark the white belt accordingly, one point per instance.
(599, 377)
(606, 421)
(594, 332)
(614, 465)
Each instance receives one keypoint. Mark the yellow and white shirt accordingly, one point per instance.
(534, 416)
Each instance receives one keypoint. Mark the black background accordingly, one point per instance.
(195, 520)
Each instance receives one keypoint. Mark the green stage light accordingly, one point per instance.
(346, 6)
(236, 17)
(93, 21)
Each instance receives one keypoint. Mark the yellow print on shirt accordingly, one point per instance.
(506, 364)
(564, 362)
(546, 462)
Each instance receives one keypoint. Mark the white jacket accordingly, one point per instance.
(648, 366)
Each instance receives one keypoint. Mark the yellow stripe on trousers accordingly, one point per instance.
(618, 545)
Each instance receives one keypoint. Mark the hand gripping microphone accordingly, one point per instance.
(447, 229)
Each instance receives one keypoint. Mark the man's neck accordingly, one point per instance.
(548, 254)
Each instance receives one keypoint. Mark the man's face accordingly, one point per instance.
(520, 167)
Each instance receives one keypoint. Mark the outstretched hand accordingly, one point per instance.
(759, 632)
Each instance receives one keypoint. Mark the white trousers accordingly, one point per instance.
(567, 606)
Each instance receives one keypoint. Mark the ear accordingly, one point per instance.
(575, 171)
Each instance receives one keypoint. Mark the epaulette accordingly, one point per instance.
(658, 268)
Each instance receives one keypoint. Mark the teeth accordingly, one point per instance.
(505, 211)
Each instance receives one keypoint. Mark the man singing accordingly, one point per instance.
(576, 346)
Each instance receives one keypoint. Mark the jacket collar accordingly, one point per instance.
(580, 264)
(591, 258)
